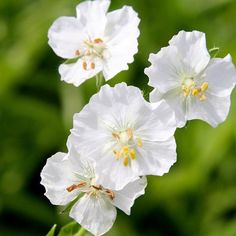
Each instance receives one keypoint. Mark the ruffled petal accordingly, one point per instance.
(157, 124)
(65, 35)
(76, 74)
(112, 173)
(192, 48)
(124, 199)
(175, 100)
(96, 215)
(166, 69)
(221, 76)
(213, 110)
(92, 14)
(120, 23)
(156, 158)
(56, 176)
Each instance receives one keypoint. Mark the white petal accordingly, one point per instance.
(176, 101)
(221, 76)
(96, 215)
(156, 158)
(157, 124)
(112, 173)
(192, 48)
(213, 110)
(56, 177)
(92, 14)
(121, 23)
(76, 74)
(166, 69)
(65, 36)
(124, 199)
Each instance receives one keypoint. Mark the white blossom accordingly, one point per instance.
(68, 177)
(193, 84)
(95, 41)
(125, 135)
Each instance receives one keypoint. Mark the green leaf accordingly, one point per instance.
(70, 229)
(70, 205)
(52, 231)
(72, 60)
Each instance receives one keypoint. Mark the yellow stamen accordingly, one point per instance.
(130, 133)
(203, 97)
(140, 143)
(125, 149)
(132, 154)
(195, 92)
(204, 86)
(186, 90)
(126, 161)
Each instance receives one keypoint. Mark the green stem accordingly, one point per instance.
(99, 81)
(81, 232)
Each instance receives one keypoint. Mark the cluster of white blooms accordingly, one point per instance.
(118, 137)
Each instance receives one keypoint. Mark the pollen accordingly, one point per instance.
(85, 65)
(92, 65)
(98, 40)
(195, 92)
(139, 142)
(75, 186)
(126, 161)
(204, 86)
(126, 146)
(77, 52)
(125, 149)
(189, 87)
(132, 154)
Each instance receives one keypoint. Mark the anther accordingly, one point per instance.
(110, 194)
(84, 65)
(126, 161)
(125, 149)
(132, 154)
(195, 92)
(203, 97)
(92, 65)
(204, 86)
(140, 143)
(130, 133)
(98, 40)
(75, 186)
(77, 52)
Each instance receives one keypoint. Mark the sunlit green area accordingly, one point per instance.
(197, 197)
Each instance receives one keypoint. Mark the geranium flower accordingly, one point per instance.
(193, 84)
(70, 177)
(125, 135)
(95, 41)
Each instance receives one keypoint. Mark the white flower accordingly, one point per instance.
(193, 84)
(67, 177)
(95, 41)
(124, 135)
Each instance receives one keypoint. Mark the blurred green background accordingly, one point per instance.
(197, 197)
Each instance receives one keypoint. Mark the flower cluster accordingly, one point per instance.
(118, 137)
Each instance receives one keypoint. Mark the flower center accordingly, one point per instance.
(126, 144)
(92, 49)
(189, 87)
(92, 189)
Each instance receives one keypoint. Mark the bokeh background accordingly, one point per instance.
(197, 197)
